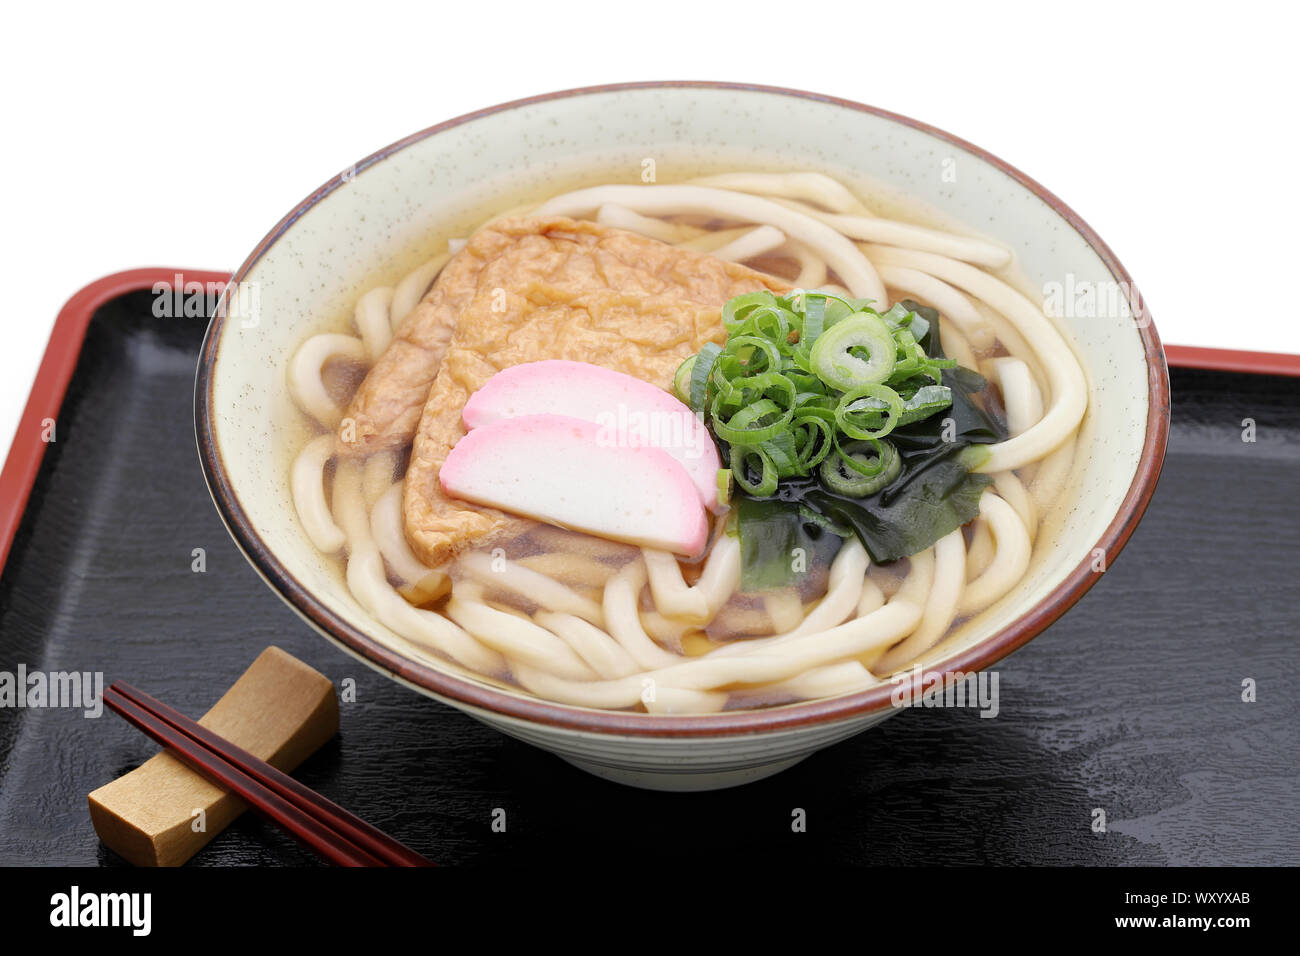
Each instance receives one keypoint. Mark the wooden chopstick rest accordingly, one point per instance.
(279, 710)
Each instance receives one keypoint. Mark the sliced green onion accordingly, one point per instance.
(816, 437)
(809, 384)
(899, 316)
(700, 375)
(682, 380)
(753, 429)
(735, 361)
(928, 400)
(755, 415)
(766, 484)
(839, 368)
(735, 310)
(726, 482)
(844, 472)
(784, 454)
(839, 308)
(853, 457)
(868, 411)
(814, 320)
(771, 322)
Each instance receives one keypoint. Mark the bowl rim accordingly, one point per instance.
(457, 690)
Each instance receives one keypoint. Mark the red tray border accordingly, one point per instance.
(60, 360)
(61, 354)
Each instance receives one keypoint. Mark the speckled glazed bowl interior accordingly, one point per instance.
(393, 209)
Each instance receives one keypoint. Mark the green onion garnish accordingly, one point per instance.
(807, 385)
(861, 468)
(835, 355)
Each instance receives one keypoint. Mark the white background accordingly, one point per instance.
(161, 134)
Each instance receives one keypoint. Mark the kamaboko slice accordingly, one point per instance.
(645, 414)
(570, 472)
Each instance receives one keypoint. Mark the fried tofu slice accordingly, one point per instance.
(523, 290)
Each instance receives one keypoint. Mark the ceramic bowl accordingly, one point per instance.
(395, 207)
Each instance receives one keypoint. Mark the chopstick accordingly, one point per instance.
(319, 824)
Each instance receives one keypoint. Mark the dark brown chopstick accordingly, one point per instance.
(369, 838)
(323, 826)
(306, 829)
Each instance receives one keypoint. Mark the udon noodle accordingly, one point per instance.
(584, 621)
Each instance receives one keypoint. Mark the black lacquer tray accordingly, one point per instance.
(1132, 704)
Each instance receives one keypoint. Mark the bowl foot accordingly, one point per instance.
(684, 782)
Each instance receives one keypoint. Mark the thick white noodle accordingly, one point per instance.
(751, 245)
(671, 593)
(506, 575)
(716, 239)
(518, 638)
(1068, 386)
(604, 654)
(389, 535)
(917, 584)
(620, 217)
(348, 506)
(812, 268)
(980, 553)
(377, 476)
(307, 486)
(840, 254)
(696, 604)
(956, 347)
(774, 660)
(676, 700)
(784, 607)
(721, 574)
(575, 570)
(872, 597)
(952, 305)
(369, 585)
(940, 604)
(1014, 343)
(1015, 494)
(777, 659)
(1020, 395)
(831, 680)
(306, 366)
(905, 235)
(409, 292)
(372, 322)
(811, 187)
(667, 631)
(843, 590)
(1009, 561)
(624, 623)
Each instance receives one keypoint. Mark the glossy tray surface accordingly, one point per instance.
(1132, 704)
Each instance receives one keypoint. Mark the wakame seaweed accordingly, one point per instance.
(777, 544)
(934, 493)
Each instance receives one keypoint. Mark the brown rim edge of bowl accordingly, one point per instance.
(1015, 635)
